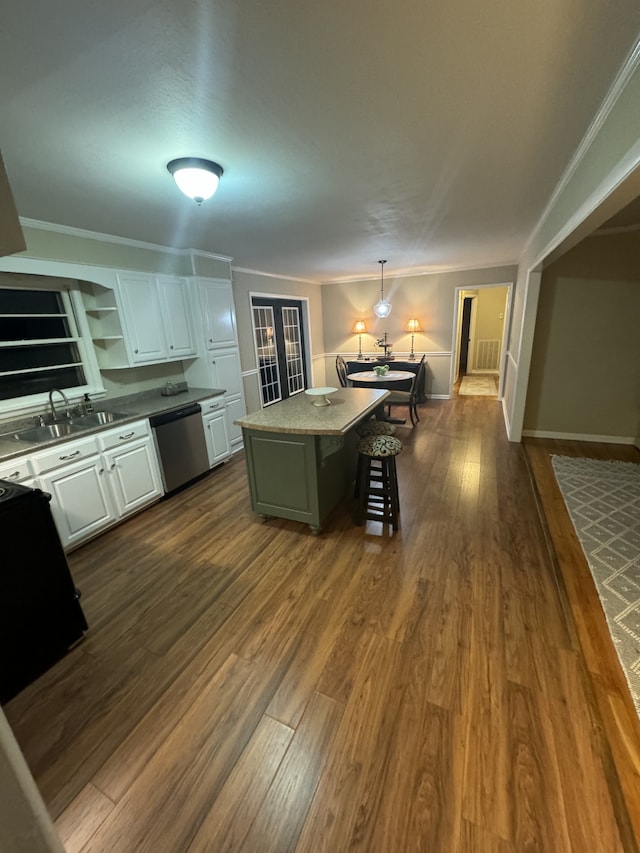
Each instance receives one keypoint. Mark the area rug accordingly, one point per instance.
(603, 499)
(479, 385)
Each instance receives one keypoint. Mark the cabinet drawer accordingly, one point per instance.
(121, 435)
(213, 404)
(62, 454)
(16, 470)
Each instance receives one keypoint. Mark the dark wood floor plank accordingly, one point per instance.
(225, 827)
(277, 825)
(354, 759)
(615, 713)
(250, 686)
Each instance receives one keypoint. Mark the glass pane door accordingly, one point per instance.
(264, 326)
(280, 348)
(293, 349)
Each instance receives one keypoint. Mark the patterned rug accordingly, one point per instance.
(603, 499)
(479, 385)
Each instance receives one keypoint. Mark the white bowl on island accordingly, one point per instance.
(320, 395)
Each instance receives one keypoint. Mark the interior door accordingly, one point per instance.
(280, 347)
(465, 331)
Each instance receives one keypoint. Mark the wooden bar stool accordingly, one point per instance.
(377, 481)
(374, 427)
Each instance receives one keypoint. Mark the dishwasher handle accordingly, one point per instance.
(175, 414)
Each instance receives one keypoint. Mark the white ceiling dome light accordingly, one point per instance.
(382, 308)
(197, 178)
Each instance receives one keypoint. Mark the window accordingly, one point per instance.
(40, 344)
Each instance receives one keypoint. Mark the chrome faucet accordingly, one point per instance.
(66, 403)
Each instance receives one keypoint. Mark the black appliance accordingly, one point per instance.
(40, 613)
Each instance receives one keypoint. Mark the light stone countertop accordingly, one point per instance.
(141, 405)
(298, 415)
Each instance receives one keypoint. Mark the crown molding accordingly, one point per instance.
(71, 231)
(617, 87)
(425, 271)
(274, 275)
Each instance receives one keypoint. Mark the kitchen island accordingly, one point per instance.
(301, 458)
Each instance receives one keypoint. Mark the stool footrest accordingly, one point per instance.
(376, 489)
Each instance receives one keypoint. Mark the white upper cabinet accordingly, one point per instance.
(218, 313)
(176, 311)
(143, 319)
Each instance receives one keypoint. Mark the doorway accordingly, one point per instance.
(480, 328)
(280, 347)
(465, 332)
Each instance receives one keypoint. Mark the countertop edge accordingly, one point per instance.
(147, 405)
(290, 430)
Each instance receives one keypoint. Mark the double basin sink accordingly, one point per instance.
(60, 429)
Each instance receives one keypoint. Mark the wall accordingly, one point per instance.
(490, 315)
(246, 283)
(74, 246)
(584, 380)
(429, 297)
(606, 168)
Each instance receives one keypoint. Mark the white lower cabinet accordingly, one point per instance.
(221, 369)
(214, 421)
(81, 501)
(133, 476)
(95, 481)
(17, 471)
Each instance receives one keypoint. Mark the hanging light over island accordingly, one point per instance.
(382, 308)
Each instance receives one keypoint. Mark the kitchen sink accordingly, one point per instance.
(100, 418)
(61, 429)
(46, 433)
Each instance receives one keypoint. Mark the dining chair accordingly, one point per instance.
(409, 398)
(341, 370)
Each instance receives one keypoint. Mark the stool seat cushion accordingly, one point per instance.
(379, 445)
(373, 427)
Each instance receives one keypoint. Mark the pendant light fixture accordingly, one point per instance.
(382, 308)
(197, 178)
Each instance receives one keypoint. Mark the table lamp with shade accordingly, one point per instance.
(413, 326)
(359, 329)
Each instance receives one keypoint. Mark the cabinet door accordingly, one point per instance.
(80, 499)
(134, 475)
(215, 431)
(174, 297)
(225, 372)
(218, 313)
(235, 409)
(142, 317)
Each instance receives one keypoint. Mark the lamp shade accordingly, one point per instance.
(413, 325)
(197, 178)
(359, 328)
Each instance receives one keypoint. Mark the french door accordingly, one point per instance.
(280, 347)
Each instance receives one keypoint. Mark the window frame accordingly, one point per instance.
(71, 296)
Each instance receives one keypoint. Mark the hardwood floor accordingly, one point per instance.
(251, 687)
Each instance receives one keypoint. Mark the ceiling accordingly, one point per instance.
(430, 133)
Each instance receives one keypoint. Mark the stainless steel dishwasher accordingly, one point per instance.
(181, 445)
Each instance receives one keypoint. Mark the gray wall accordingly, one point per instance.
(585, 364)
(608, 168)
(244, 284)
(429, 297)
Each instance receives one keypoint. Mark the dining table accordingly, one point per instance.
(389, 380)
(371, 379)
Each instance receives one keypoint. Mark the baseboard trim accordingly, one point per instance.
(574, 436)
